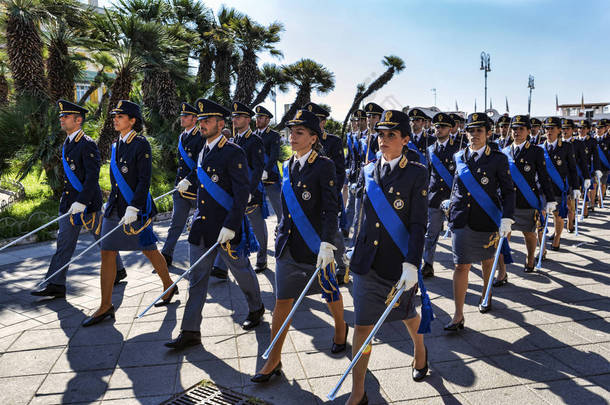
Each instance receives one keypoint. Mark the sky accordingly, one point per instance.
(563, 44)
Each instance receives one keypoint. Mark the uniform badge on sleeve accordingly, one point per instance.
(484, 180)
(214, 178)
(558, 162)
(124, 169)
(527, 168)
(306, 195)
(399, 204)
(73, 167)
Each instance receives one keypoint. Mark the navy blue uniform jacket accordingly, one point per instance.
(439, 190)
(253, 146)
(271, 144)
(192, 144)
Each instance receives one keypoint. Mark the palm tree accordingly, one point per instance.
(105, 62)
(224, 53)
(271, 75)
(393, 65)
(4, 89)
(24, 46)
(252, 38)
(307, 75)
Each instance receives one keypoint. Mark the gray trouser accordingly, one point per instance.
(180, 214)
(436, 217)
(66, 244)
(357, 208)
(340, 245)
(198, 283)
(274, 195)
(260, 232)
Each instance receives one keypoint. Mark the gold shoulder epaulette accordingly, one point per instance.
(403, 162)
(222, 142)
(312, 157)
(487, 150)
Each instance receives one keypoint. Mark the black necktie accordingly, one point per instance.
(516, 151)
(297, 167)
(385, 172)
(473, 157)
(206, 150)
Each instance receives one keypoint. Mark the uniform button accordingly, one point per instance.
(289, 230)
(67, 192)
(441, 189)
(468, 205)
(375, 243)
(376, 224)
(202, 186)
(202, 202)
(289, 216)
(203, 217)
(468, 194)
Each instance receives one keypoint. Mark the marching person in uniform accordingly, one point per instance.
(308, 228)
(456, 133)
(582, 170)
(223, 187)
(354, 162)
(481, 206)
(81, 197)
(131, 205)
(389, 246)
(504, 138)
(271, 173)
(536, 136)
(528, 171)
(592, 158)
(603, 150)
(442, 171)
(256, 209)
(421, 139)
(561, 168)
(332, 147)
(190, 143)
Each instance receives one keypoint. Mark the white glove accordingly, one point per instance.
(326, 256)
(408, 278)
(265, 175)
(598, 174)
(249, 198)
(587, 184)
(104, 206)
(505, 225)
(183, 185)
(77, 208)
(445, 205)
(576, 194)
(225, 235)
(131, 215)
(551, 206)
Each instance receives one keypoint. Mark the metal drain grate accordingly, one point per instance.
(206, 392)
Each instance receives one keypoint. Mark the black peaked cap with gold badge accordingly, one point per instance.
(67, 108)
(127, 107)
(207, 108)
(306, 118)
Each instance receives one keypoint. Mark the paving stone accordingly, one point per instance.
(476, 374)
(19, 390)
(322, 386)
(535, 366)
(82, 358)
(86, 386)
(292, 367)
(508, 395)
(28, 362)
(39, 339)
(147, 353)
(571, 391)
(127, 382)
(106, 332)
(586, 360)
(222, 372)
(398, 384)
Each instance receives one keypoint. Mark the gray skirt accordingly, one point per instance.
(525, 220)
(370, 292)
(119, 240)
(469, 246)
(292, 277)
(604, 178)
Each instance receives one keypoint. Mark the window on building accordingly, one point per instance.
(81, 89)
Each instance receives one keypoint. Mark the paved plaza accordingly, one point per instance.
(547, 340)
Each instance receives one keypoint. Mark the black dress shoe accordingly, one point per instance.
(454, 327)
(219, 273)
(500, 283)
(419, 374)
(120, 275)
(485, 308)
(51, 290)
(338, 348)
(166, 301)
(253, 319)
(92, 320)
(427, 271)
(527, 269)
(185, 339)
(555, 248)
(260, 268)
(168, 259)
(263, 378)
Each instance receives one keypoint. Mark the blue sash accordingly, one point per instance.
(441, 169)
(399, 234)
(307, 231)
(218, 193)
(350, 145)
(266, 160)
(422, 156)
(480, 195)
(559, 182)
(124, 188)
(603, 157)
(372, 157)
(189, 162)
(520, 181)
(74, 181)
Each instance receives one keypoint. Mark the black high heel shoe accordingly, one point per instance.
(263, 378)
(419, 374)
(500, 283)
(337, 348)
(166, 301)
(92, 320)
(454, 327)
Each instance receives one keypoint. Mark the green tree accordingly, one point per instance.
(272, 76)
(307, 76)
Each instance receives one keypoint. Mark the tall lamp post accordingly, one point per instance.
(486, 67)
(434, 91)
(530, 85)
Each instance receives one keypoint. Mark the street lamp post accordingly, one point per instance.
(530, 85)
(434, 91)
(486, 67)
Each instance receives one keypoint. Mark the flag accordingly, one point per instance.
(491, 106)
(582, 102)
(475, 104)
(507, 110)
(456, 106)
(556, 103)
